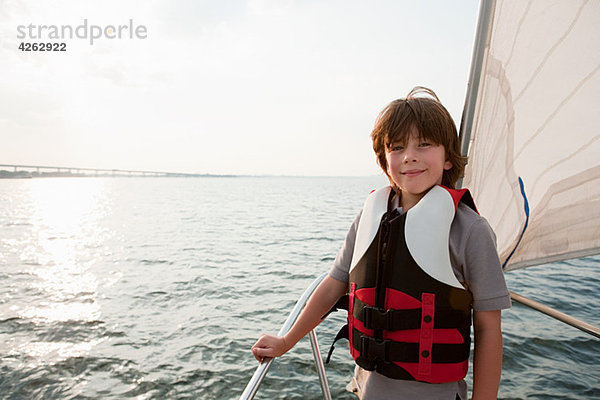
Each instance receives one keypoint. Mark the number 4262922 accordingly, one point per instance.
(42, 46)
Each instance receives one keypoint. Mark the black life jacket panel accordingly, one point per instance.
(409, 317)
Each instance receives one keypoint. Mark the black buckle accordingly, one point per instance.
(376, 318)
(374, 349)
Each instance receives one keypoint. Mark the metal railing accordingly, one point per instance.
(567, 319)
(263, 367)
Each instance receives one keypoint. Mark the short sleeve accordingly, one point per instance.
(340, 269)
(482, 271)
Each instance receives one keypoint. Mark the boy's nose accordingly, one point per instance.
(409, 156)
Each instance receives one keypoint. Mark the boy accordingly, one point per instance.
(415, 262)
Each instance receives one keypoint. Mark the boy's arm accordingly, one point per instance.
(487, 360)
(324, 297)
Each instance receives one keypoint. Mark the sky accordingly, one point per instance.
(251, 87)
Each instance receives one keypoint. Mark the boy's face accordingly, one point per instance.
(415, 167)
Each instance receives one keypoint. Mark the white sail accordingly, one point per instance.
(534, 149)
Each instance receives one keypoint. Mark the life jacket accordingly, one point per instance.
(408, 316)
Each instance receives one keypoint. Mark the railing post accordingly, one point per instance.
(314, 345)
(261, 371)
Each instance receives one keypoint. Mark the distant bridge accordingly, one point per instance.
(30, 171)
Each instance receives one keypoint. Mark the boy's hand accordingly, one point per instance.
(324, 297)
(269, 346)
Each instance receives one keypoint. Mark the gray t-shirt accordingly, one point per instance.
(475, 262)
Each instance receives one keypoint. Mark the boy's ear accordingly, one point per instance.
(447, 165)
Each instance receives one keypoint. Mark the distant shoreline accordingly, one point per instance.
(65, 174)
(30, 175)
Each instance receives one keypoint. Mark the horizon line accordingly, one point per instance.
(60, 171)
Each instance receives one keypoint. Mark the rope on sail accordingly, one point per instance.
(526, 209)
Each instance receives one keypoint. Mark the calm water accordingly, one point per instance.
(158, 287)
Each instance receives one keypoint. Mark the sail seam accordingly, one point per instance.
(555, 258)
(553, 114)
(520, 25)
(563, 160)
(551, 51)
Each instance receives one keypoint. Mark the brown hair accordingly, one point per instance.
(433, 123)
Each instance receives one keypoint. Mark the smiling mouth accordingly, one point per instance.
(413, 172)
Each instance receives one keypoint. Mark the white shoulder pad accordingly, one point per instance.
(374, 208)
(427, 233)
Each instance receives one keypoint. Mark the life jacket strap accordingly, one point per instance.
(395, 320)
(342, 334)
(390, 351)
(343, 303)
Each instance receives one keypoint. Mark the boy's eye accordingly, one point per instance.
(425, 144)
(397, 147)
